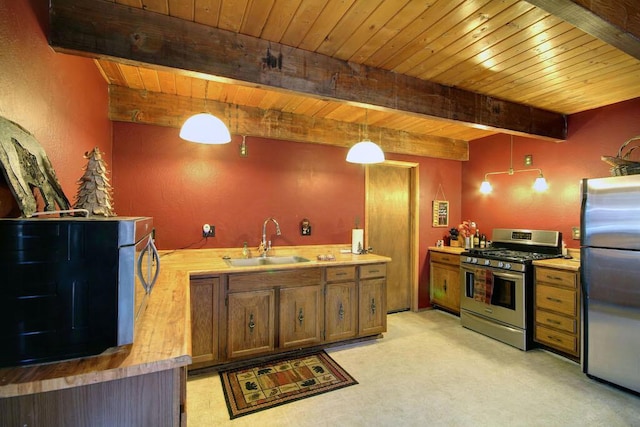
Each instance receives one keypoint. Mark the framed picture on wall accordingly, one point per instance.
(440, 213)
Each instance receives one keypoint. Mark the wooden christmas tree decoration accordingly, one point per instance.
(94, 190)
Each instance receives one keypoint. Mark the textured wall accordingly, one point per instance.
(513, 204)
(61, 99)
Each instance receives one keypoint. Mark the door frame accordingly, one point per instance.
(414, 218)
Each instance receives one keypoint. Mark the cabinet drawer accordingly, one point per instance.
(338, 274)
(373, 270)
(445, 258)
(557, 277)
(556, 339)
(567, 324)
(556, 299)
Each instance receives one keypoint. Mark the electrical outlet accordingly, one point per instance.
(208, 230)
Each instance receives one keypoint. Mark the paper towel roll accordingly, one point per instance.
(357, 240)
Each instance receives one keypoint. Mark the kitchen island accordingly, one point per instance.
(143, 383)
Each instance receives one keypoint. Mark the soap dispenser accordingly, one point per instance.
(245, 251)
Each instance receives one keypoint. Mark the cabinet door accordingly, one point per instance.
(250, 323)
(204, 319)
(341, 308)
(445, 286)
(301, 316)
(372, 307)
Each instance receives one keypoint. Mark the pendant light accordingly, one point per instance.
(539, 185)
(205, 128)
(365, 151)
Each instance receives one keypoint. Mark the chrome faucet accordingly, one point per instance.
(266, 245)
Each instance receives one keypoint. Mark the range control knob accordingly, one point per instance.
(500, 264)
(487, 262)
(507, 266)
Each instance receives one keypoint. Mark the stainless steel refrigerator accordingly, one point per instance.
(610, 255)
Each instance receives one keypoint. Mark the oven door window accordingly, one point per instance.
(504, 292)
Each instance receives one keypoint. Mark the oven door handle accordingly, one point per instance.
(506, 275)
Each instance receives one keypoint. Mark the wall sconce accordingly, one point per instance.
(205, 128)
(365, 151)
(539, 185)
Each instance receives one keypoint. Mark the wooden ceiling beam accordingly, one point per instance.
(101, 29)
(141, 106)
(615, 22)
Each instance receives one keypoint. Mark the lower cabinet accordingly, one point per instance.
(250, 323)
(205, 309)
(557, 310)
(341, 303)
(301, 316)
(372, 301)
(444, 284)
(243, 315)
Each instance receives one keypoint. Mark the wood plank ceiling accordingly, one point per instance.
(503, 55)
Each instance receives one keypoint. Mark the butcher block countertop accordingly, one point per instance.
(456, 250)
(163, 332)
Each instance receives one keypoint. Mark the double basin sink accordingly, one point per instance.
(272, 260)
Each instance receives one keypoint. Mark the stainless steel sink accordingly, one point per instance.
(272, 260)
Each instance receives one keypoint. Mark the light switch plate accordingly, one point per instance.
(575, 233)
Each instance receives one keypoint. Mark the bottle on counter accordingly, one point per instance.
(483, 241)
(245, 251)
(476, 239)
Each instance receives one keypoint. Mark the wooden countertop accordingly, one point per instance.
(572, 264)
(447, 249)
(163, 333)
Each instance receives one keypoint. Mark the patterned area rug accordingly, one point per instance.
(274, 383)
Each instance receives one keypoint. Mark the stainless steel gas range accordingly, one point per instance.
(497, 283)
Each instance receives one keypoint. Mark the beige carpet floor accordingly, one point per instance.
(430, 371)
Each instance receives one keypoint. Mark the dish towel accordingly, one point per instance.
(482, 285)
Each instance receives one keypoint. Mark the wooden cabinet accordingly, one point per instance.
(301, 316)
(250, 323)
(557, 310)
(445, 281)
(241, 315)
(205, 307)
(372, 299)
(341, 306)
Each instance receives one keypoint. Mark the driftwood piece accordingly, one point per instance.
(25, 166)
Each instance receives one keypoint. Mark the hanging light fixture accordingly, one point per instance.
(205, 128)
(539, 185)
(365, 151)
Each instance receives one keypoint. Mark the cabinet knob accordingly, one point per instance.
(445, 285)
(373, 306)
(300, 317)
(341, 312)
(251, 323)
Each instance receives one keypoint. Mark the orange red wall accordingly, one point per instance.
(513, 204)
(60, 99)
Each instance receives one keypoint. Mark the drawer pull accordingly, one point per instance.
(445, 285)
(251, 323)
(374, 271)
(553, 277)
(555, 322)
(554, 300)
(554, 338)
(341, 312)
(373, 306)
(342, 273)
(300, 317)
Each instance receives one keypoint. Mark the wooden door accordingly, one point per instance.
(390, 229)
(250, 323)
(341, 309)
(204, 319)
(301, 316)
(372, 313)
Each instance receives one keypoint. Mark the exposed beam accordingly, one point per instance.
(140, 106)
(614, 22)
(102, 29)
